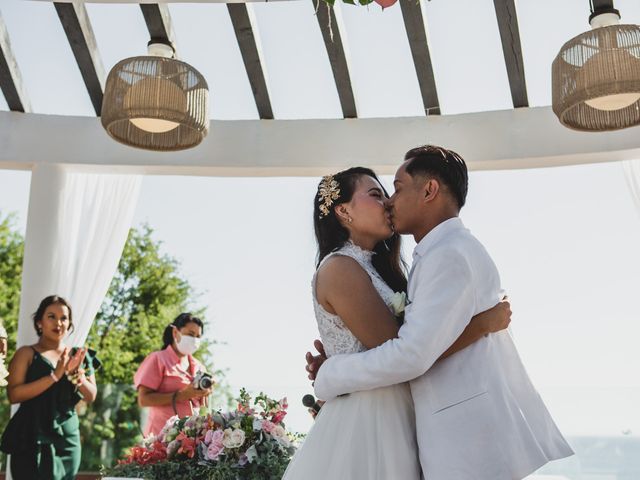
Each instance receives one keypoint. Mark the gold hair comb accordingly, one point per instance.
(328, 191)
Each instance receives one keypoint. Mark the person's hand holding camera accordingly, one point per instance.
(202, 386)
(190, 391)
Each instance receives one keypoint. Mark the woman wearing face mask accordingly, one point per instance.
(165, 378)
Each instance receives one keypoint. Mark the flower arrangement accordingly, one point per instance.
(249, 443)
(4, 373)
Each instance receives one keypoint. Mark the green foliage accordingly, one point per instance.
(11, 254)
(270, 468)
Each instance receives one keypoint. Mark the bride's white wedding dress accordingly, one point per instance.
(367, 435)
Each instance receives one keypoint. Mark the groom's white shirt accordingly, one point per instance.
(478, 416)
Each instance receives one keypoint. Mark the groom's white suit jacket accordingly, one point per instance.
(478, 415)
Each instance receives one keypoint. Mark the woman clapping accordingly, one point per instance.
(48, 379)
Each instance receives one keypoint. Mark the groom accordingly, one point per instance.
(478, 416)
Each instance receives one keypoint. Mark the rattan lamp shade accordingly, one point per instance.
(596, 79)
(156, 103)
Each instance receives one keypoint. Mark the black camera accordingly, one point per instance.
(202, 381)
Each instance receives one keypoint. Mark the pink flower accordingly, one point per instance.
(267, 426)
(215, 447)
(213, 451)
(208, 436)
(385, 3)
(278, 417)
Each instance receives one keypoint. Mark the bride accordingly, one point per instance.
(367, 435)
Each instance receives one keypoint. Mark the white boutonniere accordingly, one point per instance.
(398, 304)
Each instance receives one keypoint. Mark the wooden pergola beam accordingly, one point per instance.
(10, 78)
(251, 57)
(76, 25)
(417, 36)
(328, 23)
(512, 50)
(159, 24)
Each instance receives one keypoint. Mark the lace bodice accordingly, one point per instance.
(336, 337)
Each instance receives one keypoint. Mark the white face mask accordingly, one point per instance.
(187, 345)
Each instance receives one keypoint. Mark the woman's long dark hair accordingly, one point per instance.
(180, 321)
(331, 235)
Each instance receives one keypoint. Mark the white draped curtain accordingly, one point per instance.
(632, 174)
(76, 230)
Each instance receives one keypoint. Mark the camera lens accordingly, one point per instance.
(205, 383)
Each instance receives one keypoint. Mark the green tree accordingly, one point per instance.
(11, 254)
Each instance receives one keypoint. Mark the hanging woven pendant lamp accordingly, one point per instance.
(596, 75)
(156, 102)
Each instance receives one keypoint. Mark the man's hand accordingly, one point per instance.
(314, 362)
(497, 318)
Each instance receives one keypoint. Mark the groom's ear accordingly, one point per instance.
(430, 189)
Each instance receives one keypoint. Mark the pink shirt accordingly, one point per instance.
(161, 371)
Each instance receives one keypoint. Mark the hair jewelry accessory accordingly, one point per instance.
(329, 191)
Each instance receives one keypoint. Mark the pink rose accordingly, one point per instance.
(208, 436)
(215, 447)
(213, 451)
(267, 426)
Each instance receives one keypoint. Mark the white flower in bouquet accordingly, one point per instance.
(150, 440)
(280, 434)
(251, 453)
(171, 434)
(172, 448)
(398, 303)
(4, 373)
(233, 438)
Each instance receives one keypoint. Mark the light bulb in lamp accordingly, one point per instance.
(611, 103)
(154, 125)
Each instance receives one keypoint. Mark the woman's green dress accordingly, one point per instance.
(43, 437)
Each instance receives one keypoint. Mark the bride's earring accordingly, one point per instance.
(350, 220)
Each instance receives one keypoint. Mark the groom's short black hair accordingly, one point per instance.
(445, 165)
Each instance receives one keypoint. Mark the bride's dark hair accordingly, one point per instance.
(331, 235)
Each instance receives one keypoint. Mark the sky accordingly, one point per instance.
(564, 239)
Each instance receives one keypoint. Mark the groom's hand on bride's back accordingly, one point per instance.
(315, 361)
(497, 318)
